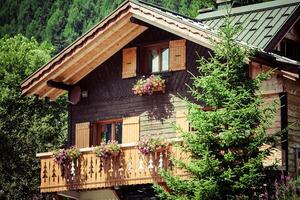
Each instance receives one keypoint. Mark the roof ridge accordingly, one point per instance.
(248, 9)
(142, 2)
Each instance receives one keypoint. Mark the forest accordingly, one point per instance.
(31, 32)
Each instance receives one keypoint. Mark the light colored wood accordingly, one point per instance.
(177, 55)
(73, 77)
(82, 134)
(272, 85)
(131, 129)
(181, 122)
(79, 53)
(114, 48)
(202, 37)
(103, 47)
(100, 44)
(89, 175)
(129, 62)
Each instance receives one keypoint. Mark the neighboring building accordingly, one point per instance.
(140, 39)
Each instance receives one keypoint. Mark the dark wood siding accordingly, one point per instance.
(109, 96)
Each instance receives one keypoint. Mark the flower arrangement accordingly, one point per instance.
(149, 145)
(144, 146)
(60, 156)
(73, 153)
(63, 156)
(146, 86)
(112, 148)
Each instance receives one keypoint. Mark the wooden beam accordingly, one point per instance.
(191, 33)
(58, 85)
(115, 48)
(79, 53)
(116, 36)
(103, 47)
(138, 22)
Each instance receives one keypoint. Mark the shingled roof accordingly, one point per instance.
(264, 24)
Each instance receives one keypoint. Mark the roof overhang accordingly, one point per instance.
(104, 40)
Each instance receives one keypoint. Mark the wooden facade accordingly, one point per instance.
(107, 61)
(110, 96)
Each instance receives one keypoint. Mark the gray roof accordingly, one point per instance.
(260, 22)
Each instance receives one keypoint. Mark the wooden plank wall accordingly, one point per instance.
(293, 91)
(111, 97)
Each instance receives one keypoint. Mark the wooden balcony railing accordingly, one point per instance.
(91, 172)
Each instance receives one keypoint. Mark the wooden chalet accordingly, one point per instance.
(138, 39)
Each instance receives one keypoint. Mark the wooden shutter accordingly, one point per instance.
(131, 129)
(177, 55)
(129, 63)
(82, 135)
(181, 121)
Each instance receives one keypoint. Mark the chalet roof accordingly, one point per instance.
(106, 38)
(263, 24)
(109, 36)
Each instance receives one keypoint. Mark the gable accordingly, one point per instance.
(104, 40)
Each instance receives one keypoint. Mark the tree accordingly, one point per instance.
(28, 125)
(226, 161)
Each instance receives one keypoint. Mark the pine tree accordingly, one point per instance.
(226, 161)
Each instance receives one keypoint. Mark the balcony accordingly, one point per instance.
(91, 172)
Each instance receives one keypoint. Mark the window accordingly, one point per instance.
(157, 58)
(290, 49)
(103, 131)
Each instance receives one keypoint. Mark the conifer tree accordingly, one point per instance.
(226, 159)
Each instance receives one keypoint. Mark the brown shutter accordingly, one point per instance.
(181, 121)
(129, 63)
(177, 55)
(82, 137)
(131, 129)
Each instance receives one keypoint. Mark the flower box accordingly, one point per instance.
(146, 86)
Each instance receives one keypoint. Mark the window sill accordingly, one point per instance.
(164, 74)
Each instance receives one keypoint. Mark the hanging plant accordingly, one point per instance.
(149, 145)
(111, 149)
(64, 156)
(60, 156)
(146, 86)
(73, 153)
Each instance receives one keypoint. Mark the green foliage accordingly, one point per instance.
(226, 159)
(28, 125)
(61, 22)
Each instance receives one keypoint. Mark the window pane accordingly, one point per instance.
(118, 132)
(154, 60)
(107, 133)
(165, 59)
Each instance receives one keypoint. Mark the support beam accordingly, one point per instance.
(59, 85)
(138, 22)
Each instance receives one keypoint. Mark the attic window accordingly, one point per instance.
(157, 58)
(290, 49)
